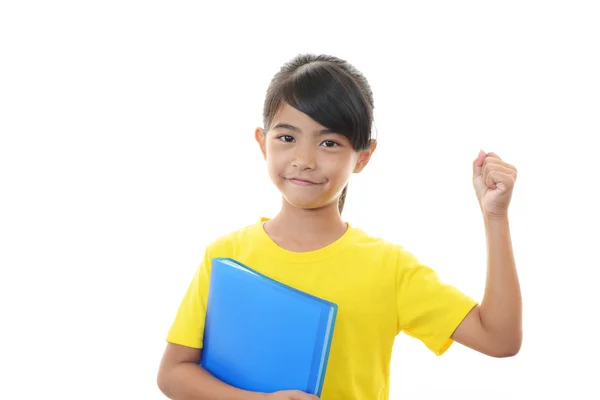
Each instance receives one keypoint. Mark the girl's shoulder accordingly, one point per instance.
(228, 243)
(371, 241)
(395, 250)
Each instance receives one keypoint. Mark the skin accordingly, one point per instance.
(310, 166)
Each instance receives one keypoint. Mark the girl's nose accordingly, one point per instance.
(304, 160)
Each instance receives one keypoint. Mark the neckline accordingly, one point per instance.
(275, 251)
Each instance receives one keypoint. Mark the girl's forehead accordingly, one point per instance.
(290, 118)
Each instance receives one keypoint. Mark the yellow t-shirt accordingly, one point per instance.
(380, 289)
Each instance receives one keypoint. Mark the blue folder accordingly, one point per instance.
(264, 336)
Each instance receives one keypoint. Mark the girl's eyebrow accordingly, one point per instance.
(297, 130)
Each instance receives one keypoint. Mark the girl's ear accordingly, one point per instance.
(364, 157)
(259, 136)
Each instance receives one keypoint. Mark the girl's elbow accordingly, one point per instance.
(163, 382)
(507, 348)
(508, 352)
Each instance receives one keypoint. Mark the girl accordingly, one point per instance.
(318, 114)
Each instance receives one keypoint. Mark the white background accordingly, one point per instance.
(127, 145)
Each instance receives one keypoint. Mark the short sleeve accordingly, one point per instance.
(188, 327)
(428, 309)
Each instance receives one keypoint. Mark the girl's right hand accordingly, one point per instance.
(290, 395)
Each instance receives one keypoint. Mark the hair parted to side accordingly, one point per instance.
(330, 91)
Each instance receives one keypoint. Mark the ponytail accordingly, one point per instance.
(342, 199)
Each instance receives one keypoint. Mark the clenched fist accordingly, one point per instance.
(493, 180)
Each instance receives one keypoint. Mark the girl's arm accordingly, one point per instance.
(181, 378)
(495, 327)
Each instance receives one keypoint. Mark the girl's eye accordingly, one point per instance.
(329, 143)
(286, 138)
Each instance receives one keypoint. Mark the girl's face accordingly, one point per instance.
(309, 164)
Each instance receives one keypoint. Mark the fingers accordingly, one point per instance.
(306, 396)
(497, 172)
(499, 179)
(493, 158)
(506, 169)
(299, 395)
(478, 163)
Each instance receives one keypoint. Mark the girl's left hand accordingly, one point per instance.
(493, 180)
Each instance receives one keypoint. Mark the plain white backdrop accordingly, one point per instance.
(127, 145)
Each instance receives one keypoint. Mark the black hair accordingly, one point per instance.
(330, 91)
